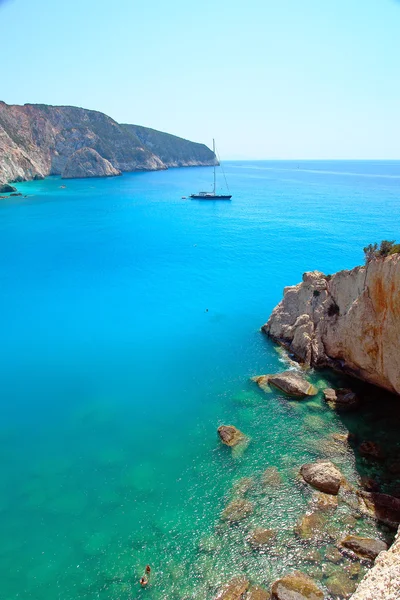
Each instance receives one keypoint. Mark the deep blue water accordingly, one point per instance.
(129, 330)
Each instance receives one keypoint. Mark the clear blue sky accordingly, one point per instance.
(267, 79)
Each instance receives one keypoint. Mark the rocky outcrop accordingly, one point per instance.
(296, 586)
(289, 382)
(88, 163)
(5, 188)
(172, 150)
(37, 140)
(230, 435)
(349, 321)
(382, 582)
(363, 547)
(323, 476)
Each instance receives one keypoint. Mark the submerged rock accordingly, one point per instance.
(86, 162)
(322, 475)
(312, 526)
(290, 382)
(363, 547)
(271, 477)
(324, 501)
(242, 486)
(340, 584)
(342, 399)
(256, 592)
(234, 590)
(296, 586)
(237, 510)
(260, 538)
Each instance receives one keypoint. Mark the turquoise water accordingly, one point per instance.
(130, 328)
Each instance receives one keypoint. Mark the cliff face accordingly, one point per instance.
(173, 151)
(88, 163)
(382, 582)
(350, 321)
(37, 140)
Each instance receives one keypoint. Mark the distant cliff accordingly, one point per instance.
(349, 321)
(37, 140)
(172, 150)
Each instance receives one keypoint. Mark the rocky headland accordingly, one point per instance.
(350, 322)
(37, 140)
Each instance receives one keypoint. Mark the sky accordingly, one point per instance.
(282, 79)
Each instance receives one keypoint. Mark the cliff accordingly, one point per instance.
(349, 321)
(382, 582)
(172, 150)
(86, 162)
(37, 140)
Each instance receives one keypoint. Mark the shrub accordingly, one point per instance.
(386, 248)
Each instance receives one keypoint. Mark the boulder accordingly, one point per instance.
(296, 586)
(363, 547)
(340, 584)
(237, 510)
(312, 526)
(382, 507)
(256, 592)
(260, 538)
(5, 188)
(322, 475)
(324, 501)
(242, 486)
(86, 162)
(342, 399)
(234, 590)
(290, 382)
(230, 436)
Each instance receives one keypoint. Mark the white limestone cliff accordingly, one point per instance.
(349, 321)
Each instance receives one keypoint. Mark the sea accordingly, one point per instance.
(130, 331)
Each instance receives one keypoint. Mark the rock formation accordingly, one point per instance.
(323, 476)
(230, 435)
(172, 150)
(382, 582)
(349, 321)
(290, 382)
(88, 163)
(37, 140)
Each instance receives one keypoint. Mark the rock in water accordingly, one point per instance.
(289, 382)
(86, 162)
(230, 435)
(260, 538)
(237, 510)
(363, 547)
(342, 400)
(296, 586)
(234, 590)
(5, 188)
(322, 475)
(256, 592)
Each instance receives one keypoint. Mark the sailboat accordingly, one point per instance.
(212, 195)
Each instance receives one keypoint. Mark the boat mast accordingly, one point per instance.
(214, 162)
